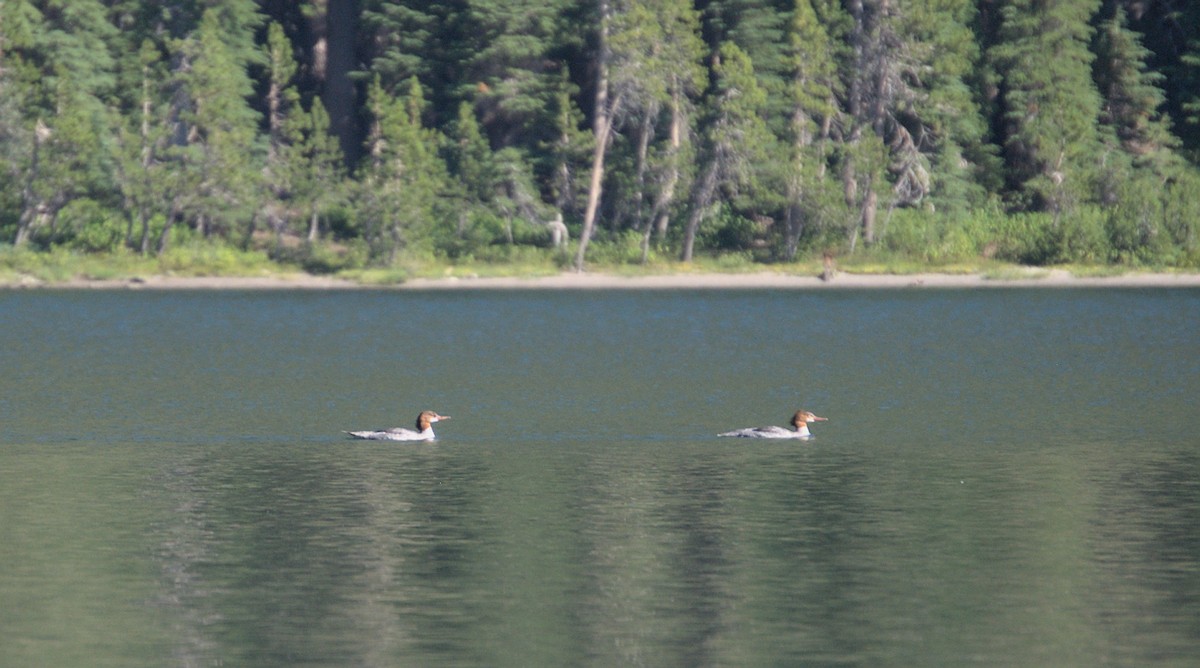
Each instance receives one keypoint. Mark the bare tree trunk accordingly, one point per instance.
(601, 128)
(274, 122)
(794, 227)
(165, 236)
(667, 196)
(29, 201)
(850, 193)
(869, 209)
(705, 188)
(144, 246)
(589, 216)
(826, 130)
(340, 96)
(314, 224)
(644, 133)
(138, 202)
(24, 227)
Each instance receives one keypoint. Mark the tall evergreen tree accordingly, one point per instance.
(283, 127)
(760, 28)
(404, 175)
(513, 68)
(607, 106)
(1132, 98)
(1051, 105)
(429, 41)
(562, 157)
(315, 164)
(1171, 28)
(19, 23)
(735, 137)
(220, 165)
(813, 93)
(943, 116)
(470, 158)
(656, 53)
(57, 64)
(142, 142)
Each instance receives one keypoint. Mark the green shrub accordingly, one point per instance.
(615, 249)
(935, 237)
(88, 226)
(724, 229)
(1025, 238)
(199, 257)
(1082, 236)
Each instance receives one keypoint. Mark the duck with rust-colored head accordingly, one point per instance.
(423, 432)
(800, 421)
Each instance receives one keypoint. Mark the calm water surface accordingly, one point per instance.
(1007, 477)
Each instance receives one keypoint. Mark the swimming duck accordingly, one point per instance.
(800, 421)
(424, 431)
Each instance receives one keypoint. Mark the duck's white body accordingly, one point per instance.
(423, 432)
(800, 421)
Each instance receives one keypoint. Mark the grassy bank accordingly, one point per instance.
(199, 259)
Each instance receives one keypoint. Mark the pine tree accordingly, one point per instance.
(606, 107)
(514, 69)
(1051, 105)
(1133, 99)
(429, 41)
(470, 158)
(813, 93)
(282, 103)
(875, 89)
(402, 36)
(142, 141)
(1179, 58)
(657, 52)
(647, 59)
(405, 173)
(942, 116)
(219, 167)
(760, 28)
(19, 23)
(562, 157)
(315, 164)
(57, 65)
(735, 137)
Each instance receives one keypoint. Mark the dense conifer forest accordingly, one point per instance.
(342, 134)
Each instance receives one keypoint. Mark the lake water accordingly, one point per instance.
(1007, 477)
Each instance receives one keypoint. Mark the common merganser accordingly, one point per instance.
(800, 421)
(424, 430)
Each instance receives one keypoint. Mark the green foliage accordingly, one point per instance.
(87, 226)
(932, 237)
(616, 249)
(401, 185)
(1052, 144)
(726, 230)
(322, 257)
(469, 158)
(193, 256)
(510, 62)
(759, 28)
(1181, 214)
(1132, 94)
(775, 129)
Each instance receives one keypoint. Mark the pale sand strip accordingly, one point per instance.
(768, 280)
(581, 281)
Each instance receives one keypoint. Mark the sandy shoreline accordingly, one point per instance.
(598, 281)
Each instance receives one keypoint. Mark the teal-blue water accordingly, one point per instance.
(1007, 477)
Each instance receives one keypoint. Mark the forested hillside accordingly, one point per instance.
(351, 133)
